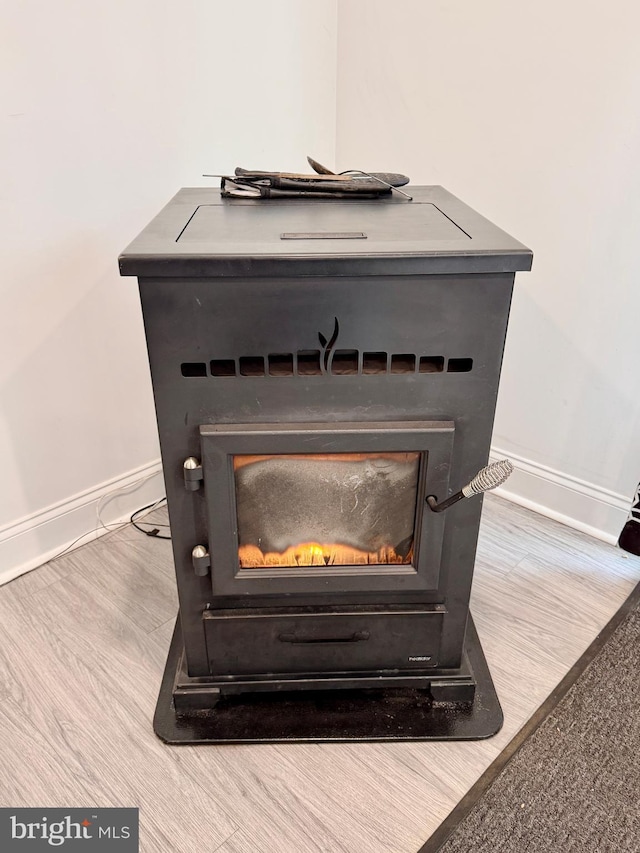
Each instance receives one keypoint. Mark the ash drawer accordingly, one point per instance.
(310, 640)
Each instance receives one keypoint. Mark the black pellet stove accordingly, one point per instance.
(321, 368)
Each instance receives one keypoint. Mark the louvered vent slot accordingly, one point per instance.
(309, 363)
(374, 362)
(251, 366)
(431, 364)
(403, 363)
(193, 368)
(223, 367)
(345, 361)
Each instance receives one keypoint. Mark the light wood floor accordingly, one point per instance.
(83, 645)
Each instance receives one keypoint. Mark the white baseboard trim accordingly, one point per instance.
(35, 539)
(584, 506)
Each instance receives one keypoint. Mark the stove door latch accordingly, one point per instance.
(193, 474)
(201, 560)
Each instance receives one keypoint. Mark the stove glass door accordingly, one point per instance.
(324, 508)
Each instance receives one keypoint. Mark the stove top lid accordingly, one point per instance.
(200, 233)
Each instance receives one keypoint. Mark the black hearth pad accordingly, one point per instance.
(332, 715)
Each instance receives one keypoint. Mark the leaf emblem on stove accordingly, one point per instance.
(327, 346)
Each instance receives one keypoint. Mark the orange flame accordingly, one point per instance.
(315, 554)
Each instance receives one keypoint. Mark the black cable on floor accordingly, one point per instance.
(155, 531)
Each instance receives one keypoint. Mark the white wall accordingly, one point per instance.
(530, 113)
(107, 109)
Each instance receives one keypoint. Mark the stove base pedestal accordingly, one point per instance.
(372, 714)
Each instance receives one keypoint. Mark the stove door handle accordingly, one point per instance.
(355, 637)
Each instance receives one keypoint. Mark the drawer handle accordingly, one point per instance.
(356, 637)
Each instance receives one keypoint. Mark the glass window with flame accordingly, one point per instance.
(342, 509)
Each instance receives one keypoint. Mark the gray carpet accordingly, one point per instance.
(574, 784)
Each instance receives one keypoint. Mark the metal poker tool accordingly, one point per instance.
(323, 170)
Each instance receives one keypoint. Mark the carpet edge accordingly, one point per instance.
(482, 785)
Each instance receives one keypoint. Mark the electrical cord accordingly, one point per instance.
(83, 536)
(119, 526)
(155, 530)
(113, 495)
(110, 527)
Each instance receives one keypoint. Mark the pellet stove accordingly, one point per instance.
(320, 368)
